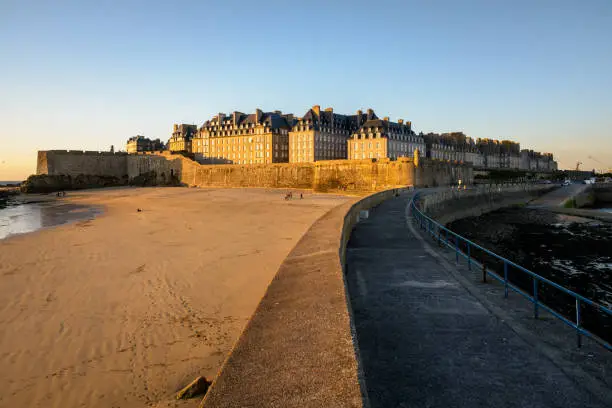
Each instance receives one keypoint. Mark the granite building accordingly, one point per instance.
(321, 135)
(257, 138)
(180, 141)
(536, 161)
(379, 138)
(453, 146)
(139, 143)
(274, 137)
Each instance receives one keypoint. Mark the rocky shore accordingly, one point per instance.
(6, 193)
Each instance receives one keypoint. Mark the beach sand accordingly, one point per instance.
(125, 309)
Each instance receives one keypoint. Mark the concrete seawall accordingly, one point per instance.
(448, 206)
(597, 194)
(298, 349)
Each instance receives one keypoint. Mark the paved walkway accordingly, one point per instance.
(557, 197)
(425, 341)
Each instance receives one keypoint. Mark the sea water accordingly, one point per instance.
(18, 217)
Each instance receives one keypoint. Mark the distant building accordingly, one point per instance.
(139, 143)
(257, 138)
(321, 135)
(274, 137)
(180, 141)
(536, 161)
(380, 138)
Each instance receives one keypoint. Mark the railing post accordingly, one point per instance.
(505, 279)
(469, 255)
(535, 298)
(439, 234)
(446, 233)
(578, 337)
(457, 249)
(484, 273)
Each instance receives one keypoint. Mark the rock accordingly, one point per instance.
(45, 183)
(196, 387)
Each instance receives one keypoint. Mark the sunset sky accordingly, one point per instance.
(87, 75)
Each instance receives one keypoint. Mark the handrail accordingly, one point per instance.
(433, 228)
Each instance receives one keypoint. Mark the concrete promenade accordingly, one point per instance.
(426, 341)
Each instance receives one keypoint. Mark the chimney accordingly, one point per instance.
(278, 112)
(400, 121)
(331, 116)
(359, 115)
(175, 127)
(317, 109)
(370, 114)
(258, 115)
(235, 118)
(386, 118)
(221, 118)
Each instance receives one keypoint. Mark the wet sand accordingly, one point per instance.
(18, 216)
(124, 309)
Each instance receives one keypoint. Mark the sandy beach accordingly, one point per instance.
(125, 309)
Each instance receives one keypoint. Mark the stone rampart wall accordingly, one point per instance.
(75, 163)
(360, 176)
(279, 175)
(331, 175)
(436, 173)
(160, 170)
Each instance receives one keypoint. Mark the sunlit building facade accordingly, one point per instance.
(257, 138)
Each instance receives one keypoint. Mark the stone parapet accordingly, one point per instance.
(450, 205)
(298, 348)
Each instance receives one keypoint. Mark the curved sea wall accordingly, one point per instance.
(448, 206)
(592, 195)
(297, 349)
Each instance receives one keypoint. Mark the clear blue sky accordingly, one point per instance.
(85, 74)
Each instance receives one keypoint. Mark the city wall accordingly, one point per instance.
(359, 176)
(451, 205)
(75, 162)
(332, 175)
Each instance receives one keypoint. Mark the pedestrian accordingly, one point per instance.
(301, 196)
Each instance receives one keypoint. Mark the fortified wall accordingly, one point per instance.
(333, 175)
(75, 162)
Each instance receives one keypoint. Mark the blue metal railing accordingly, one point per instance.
(442, 234)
